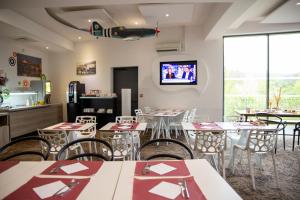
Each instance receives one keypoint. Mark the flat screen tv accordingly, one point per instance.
(178, 72)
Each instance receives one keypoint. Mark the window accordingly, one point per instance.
(257, 67)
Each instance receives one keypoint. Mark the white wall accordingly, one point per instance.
(109, 53)
(7, 47)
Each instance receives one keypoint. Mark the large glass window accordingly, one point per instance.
(257, 68)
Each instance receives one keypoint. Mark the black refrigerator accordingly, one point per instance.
(75, 91)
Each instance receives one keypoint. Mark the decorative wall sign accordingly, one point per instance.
(12, 61)
(86, 68)
(29, 66)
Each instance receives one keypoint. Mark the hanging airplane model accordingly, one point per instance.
(121, 32)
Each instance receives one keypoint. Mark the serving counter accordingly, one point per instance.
(23, 120)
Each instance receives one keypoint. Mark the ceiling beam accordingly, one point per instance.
(71, 3)
(218, 24)
(43, 34)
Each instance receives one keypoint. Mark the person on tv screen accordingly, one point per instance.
(170, 73)
(187, 74)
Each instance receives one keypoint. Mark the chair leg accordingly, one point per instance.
(275, 171)
(233, 158)
(294, 135)
(283, 134)
(223, 165)
(251, 168)
(298, 136)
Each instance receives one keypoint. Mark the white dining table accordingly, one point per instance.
(114, 180)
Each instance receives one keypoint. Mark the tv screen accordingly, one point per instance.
(178, 73)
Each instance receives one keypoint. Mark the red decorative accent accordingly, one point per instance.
(5, 165)
(93, 166)
(207, 126)
(141, 189)
(181, 169)
(71, 126)
(117, 126)
(25, 83)
(26, 191)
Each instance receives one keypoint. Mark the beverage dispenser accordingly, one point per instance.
(75, 91)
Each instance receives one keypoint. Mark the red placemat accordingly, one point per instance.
(141, 189)
(207, 125)
(5, 165)
(26, 190)
(181, 169)
(116, 126)
(93, 166)
(71, 126)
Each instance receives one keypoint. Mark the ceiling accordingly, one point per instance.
(29, 19)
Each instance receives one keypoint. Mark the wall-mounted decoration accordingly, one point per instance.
(26, 83)
(3, 78)
(12, 61)
(86, 68)
(29, 66)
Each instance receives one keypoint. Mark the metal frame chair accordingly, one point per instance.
(44, 153)
(98, 153)
(296, 129)
(259, 142)
(164, 155)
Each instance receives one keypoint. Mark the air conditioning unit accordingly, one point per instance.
(168, 47)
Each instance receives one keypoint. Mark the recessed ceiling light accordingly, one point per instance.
(298, 4)
(136, 23)
(79, 37)
(167, 15)
(47, 47)
(90, 20)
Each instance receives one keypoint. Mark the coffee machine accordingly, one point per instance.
(75, 91)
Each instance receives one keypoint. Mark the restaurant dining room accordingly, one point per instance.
(150, 99)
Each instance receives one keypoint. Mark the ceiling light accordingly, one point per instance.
(89, 20)
(298, 4)
(79, 37)
(47, 47)
(167, 15)
(136, 23)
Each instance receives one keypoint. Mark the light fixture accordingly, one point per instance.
(79, 37)
(89, 20)
(298, 4)
(167, 15)
(47, 47)
(136, 23)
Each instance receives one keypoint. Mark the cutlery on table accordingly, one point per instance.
(182, 183)
(182, 189)
(186, 189)
(68, 186)
(146, 169)
(55, 170)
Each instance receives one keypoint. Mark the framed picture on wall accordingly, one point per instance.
(86, 68)
(28, 65)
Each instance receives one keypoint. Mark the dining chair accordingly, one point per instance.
(57, 140)
(268, 119)
(122, 148)
(90, 133)
(259, 142)
(102, 150)
(166, 145)
(134, 134)
(151, 123)
(33, 146)
(211, 144)
(296, 130)
(176, 125)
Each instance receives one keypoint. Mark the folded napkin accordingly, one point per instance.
(5, 165)
(37, 188)
(162, 168)
(168, 188)
(124, 126)
(74, 168)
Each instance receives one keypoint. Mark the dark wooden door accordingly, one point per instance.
(126, 77)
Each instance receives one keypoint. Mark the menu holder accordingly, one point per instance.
(156, 168)
(89, 168)
(32, 189)
(165, 188)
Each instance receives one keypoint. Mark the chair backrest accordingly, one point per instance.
(120, 145)
(211, 142)
(185, 117)
(85, 119)
(126, 119)
(93, 148)
(192, 115)
(57, 139)
(41, 149)
(164, 154)
(138, 112)
(271, 119)
(261, 141)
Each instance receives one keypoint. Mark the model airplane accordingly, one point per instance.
(122, 32)
(114, 32)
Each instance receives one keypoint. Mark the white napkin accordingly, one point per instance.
(126, 124)
(167, 190)
(161, 168)
(124, 127)
(50, 189)
(205, 123)
(65, 127)
(72, 168)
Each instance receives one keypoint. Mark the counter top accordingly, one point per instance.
(19, 108)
